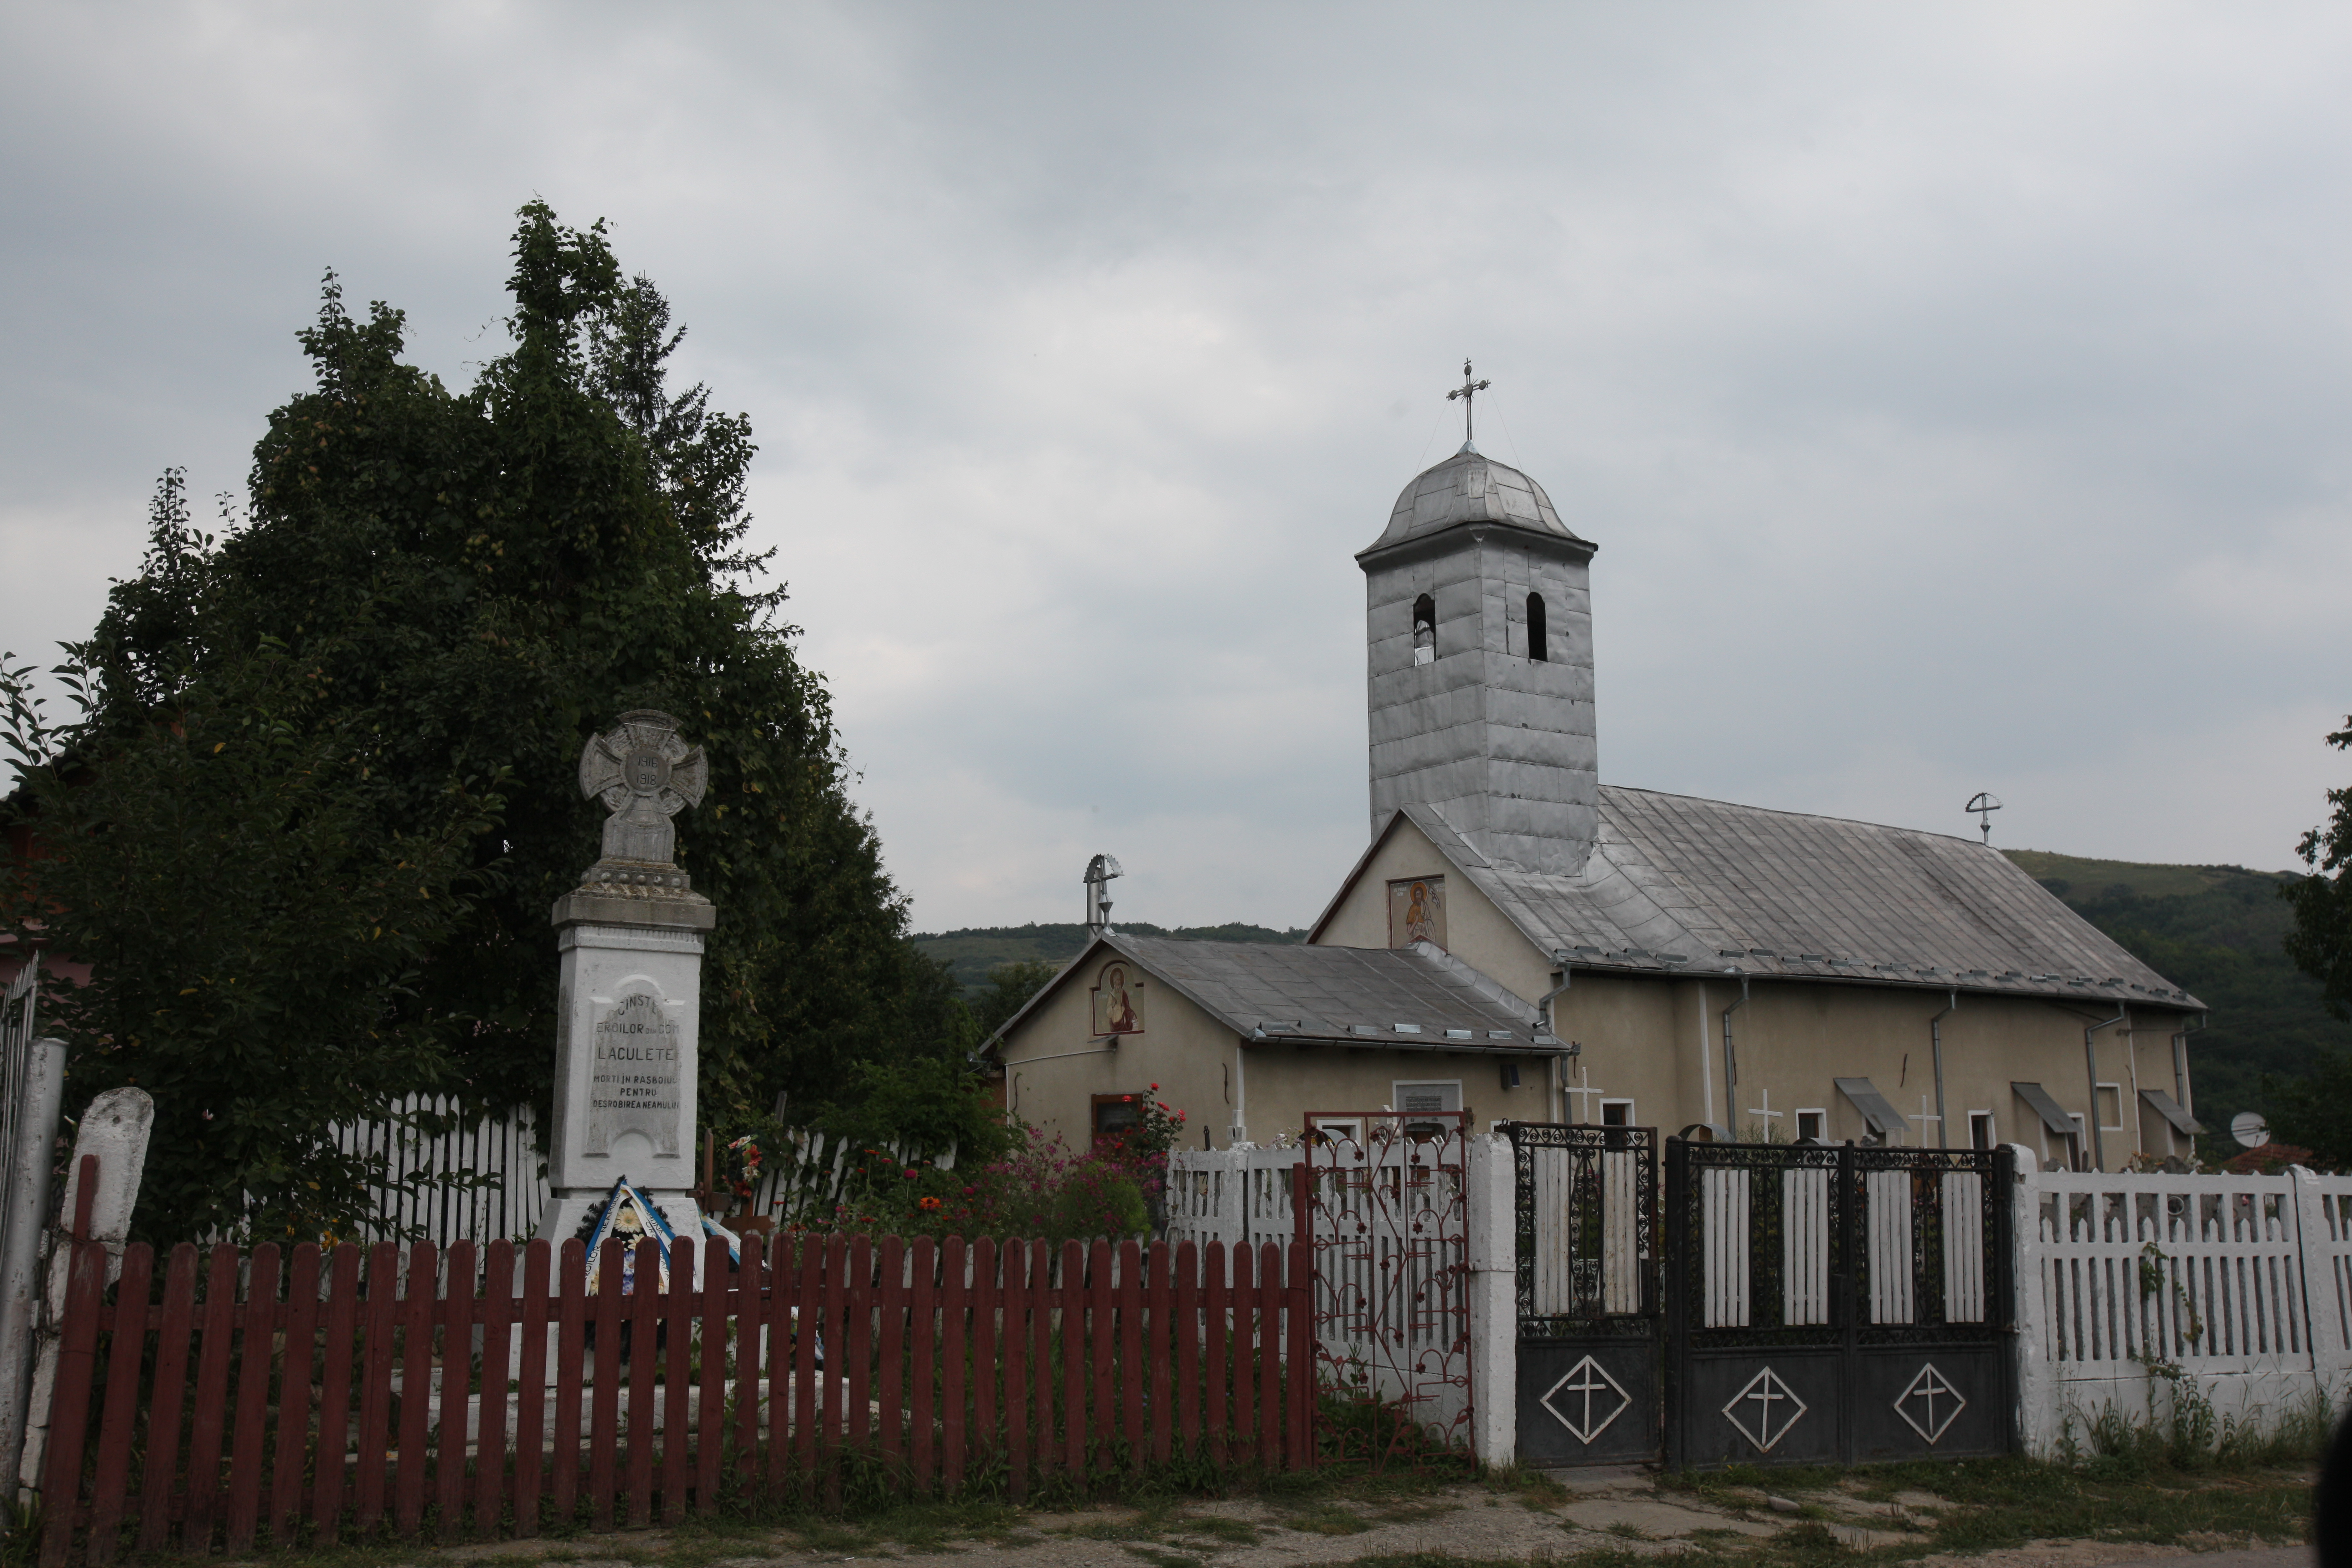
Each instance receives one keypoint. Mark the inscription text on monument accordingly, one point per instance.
(632, 1082)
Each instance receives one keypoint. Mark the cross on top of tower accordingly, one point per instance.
(1469, 393)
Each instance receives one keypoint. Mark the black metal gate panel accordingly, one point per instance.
(1836, 1304)
(1587, 1224)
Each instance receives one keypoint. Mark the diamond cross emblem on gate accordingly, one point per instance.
(1775, 1409)
(1930, 1404)
(1583, 1396)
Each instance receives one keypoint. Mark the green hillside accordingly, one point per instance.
(976, 949)
(2216, 932)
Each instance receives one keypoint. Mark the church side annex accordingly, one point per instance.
(1609, 955)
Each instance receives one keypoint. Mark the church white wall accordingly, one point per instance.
(1476, 932)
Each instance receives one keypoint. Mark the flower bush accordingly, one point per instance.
(1142, 1150)
(1041, 1190)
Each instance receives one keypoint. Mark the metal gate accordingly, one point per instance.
(1835, 1304)
(1586, 1221)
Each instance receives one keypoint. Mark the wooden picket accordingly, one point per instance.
(298, 1397)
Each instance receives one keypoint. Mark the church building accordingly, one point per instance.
(1522, 942)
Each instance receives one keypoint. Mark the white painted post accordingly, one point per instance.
(2318, 1252)
(1493, 1299)
(115, 1128)
(29, 1210)
(2037, 1418)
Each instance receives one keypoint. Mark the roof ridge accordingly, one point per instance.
(1784, 811)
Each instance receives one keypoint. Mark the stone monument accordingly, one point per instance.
(630, 1003)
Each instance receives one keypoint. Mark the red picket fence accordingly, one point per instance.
(316, 1397)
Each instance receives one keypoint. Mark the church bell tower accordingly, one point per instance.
(1478, 624)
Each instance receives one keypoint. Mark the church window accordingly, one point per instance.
(1980, 1129)
(1616, 1113)
(1425, 630)
(1537, 648)
(2111, 1108)
(1813, 1126)
(1116, 1115)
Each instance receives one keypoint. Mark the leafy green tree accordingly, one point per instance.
(2321, 944)
(469, 583)
(252, 932)
(1009, 987)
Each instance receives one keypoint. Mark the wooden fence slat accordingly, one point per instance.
(211, 1410)
(924, 1335)
(1074, 1357)
(710, 1421)
(953, 1294)
(77, 1364)
(645, 1366)
(490, 1428)
(1300, 1299)
(1130, 1349)
(686, 1266)
(118, 1426)
(980, 1439)
(792, 1360)
(1188, 1348)
(531, 1395)
(417, 1311)
(1101, 1327)
(257, 1336)
(1270, 1405)
(454, 1359)
(604, 1401)
(1158, 1348)
(1015, 1296)
(291, 1442)
(1245, 1356)
(1213, 1332)
(572, 1305)
(1041, 1357)
(752, 1282)
(338, 1351)
(375, 1383)
(890, 1306)
(857, 1337)
(836, 1341)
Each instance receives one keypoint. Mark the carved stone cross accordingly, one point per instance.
(645, 774)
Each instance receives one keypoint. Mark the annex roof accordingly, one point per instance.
(1410, 998)
(1675, 883)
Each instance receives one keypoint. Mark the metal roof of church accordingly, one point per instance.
(1414, 997)
(1470, 486)
(1677, 883)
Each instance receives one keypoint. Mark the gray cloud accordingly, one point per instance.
(1958, 398)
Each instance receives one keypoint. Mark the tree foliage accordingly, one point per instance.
(2321, 944)
(468, 584)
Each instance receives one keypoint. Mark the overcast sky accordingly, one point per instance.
(1959, 395)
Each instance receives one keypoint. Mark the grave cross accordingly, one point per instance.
(1584, 1093)
(1925, 1117)
(1468, 392)
(1768, 1115)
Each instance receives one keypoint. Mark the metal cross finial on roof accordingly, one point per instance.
(1469, 393)
(1984, 804)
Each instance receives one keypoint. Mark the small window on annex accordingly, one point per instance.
(1539, 645)
(2111, 1108)
(1982, 1134)
(1425, 630)
(1117, 1115)
(1616, 1113)
(1813, 1126)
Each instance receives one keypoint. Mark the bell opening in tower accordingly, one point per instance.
(1537, 649)
(1425, 630)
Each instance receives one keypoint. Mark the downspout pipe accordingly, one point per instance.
(1936, 1044)
(1731, 1066)
(2181, 1061)
(2090, 1067)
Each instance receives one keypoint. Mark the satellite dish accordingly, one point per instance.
(2248, 1128)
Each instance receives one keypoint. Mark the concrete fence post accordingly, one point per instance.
(2320, 1248)
(115, 1128)
(2039, 1425)
(29, 1163)
(1493, 1299)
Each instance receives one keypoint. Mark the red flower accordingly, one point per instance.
(929, 1203)
(910, 1175)
(1155, 1087)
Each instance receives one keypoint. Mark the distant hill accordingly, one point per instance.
(977, 950)
(2215, 931)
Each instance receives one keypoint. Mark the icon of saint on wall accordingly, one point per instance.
(1119, 1002)
(1417, 910)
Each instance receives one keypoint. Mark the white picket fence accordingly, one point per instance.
(2130, 1287)
(1233, 1195)
(506, 1184)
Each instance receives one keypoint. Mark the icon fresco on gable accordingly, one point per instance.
(1417, 912)
(1119, 1000)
